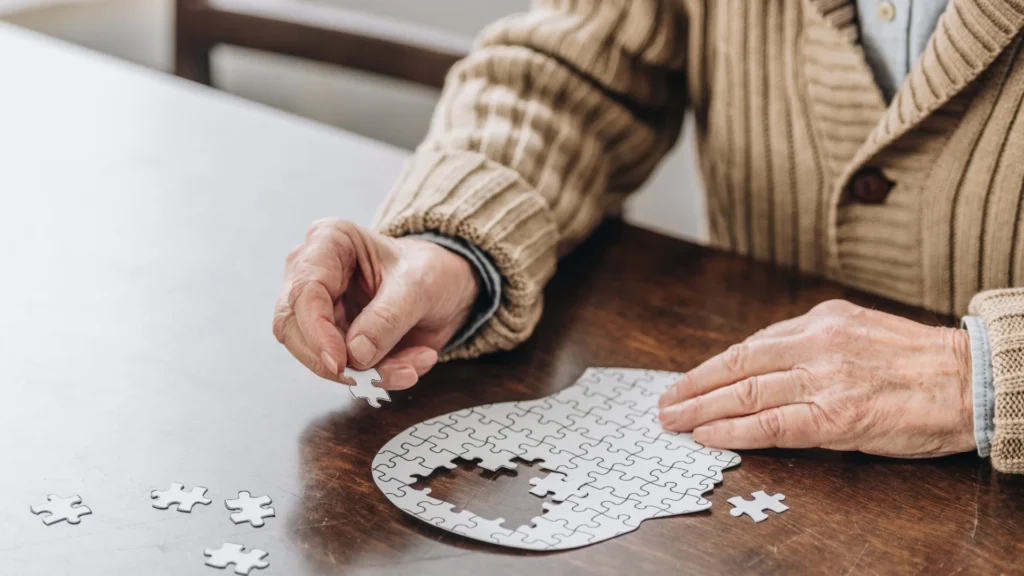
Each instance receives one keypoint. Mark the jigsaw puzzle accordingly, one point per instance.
(57, 509)
(364, 387)
(163, 499)
(249, 509)
(755, 508)
(233, 554)
(610, 464)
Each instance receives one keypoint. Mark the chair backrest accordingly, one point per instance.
(315, 31)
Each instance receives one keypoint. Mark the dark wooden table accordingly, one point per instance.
(144, 225)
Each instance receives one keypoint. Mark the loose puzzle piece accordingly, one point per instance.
(229, 554)
(56, 509)
(755, 508)
(610, 464)
(177, 495)
(249, 509)
(364, 387)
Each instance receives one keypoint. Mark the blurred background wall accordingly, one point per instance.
(142, 31)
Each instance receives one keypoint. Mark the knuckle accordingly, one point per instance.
(322, 224)
(696, 407)
(342, 225)
(336, 232)
(317, 227)
(736, 357)
(747, 393)
(771, 423)
(294, 292)
(280, 326)
(833, 307)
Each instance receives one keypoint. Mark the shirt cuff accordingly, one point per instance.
(982, 383)
(490, 284)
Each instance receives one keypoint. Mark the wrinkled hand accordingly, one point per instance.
(355, 297)
(840, 377)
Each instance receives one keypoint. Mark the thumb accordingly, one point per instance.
(394, 310)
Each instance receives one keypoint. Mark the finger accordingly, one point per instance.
(292, 338)
(394, 310)
(314, 313)
(790, 426)
(402, 369)
(738, 362)
(341, 315)
(748, 396)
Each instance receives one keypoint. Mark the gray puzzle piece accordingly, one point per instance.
(186, 500)
(230, 553)
(250, 509)
(57, 509)
(755, 508)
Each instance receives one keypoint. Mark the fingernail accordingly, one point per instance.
(362, 350)
(424, 361)
(330, 363)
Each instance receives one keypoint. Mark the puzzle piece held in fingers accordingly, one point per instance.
(364, 387)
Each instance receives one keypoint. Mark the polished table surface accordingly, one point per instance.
(144, 226)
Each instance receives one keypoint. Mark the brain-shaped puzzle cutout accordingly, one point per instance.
(610, 464)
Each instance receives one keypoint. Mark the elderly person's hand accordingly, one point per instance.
(840, 377)
(355, 297)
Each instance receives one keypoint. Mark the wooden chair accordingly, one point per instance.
(311, 30)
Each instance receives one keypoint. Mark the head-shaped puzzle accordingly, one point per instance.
(610, 464)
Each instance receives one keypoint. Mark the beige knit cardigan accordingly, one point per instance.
(560, 113)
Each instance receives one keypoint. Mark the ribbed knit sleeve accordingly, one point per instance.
(1003, 313)
(541, 130)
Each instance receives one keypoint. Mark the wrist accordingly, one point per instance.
(961, 350)
(459, 283)
(466, 279)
